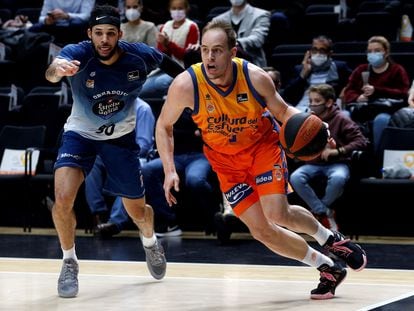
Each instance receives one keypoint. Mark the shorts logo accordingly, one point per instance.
(133, 75)
(264, 178)
(242, 98)
(278, 172)
(238, 193)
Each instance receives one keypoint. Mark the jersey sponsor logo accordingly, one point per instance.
(228, 126)
(133, 75)
(90, 84)
(242, 98)
(264, 178)
(108, 108)
(238, 193)
(110, 93)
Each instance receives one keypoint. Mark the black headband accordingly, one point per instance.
(105, 19)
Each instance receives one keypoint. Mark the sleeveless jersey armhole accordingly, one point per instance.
(251, 87)
(196, 95)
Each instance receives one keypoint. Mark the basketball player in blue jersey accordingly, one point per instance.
(106, 76)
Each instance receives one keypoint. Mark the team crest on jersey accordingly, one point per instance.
(90, 83)
(242, 98)
(133, 75)
(210, 107)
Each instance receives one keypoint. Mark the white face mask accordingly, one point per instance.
(132, 14)
(236, 2)
(319, 59)
(177, 15)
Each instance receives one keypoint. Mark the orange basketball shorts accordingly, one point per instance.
(258, 170)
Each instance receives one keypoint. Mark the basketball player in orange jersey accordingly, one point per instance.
(228, 96)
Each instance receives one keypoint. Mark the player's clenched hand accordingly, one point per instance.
(171, 181)
(66, 68)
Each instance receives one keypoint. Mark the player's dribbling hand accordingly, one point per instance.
(67, 68)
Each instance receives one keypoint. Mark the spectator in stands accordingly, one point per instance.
(67, 21)
(276, 77)
(404, 117)
(317, 67)
(11, 32)
(333, 164)
(380, 86)
(95, 180)
(176, 36)
(252, 27)
(135, 29)
(16, 23)
(197, 176)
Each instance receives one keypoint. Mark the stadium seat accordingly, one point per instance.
(368, 24)
(380, 201)
(22, 138)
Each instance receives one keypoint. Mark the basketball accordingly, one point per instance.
(304, 136)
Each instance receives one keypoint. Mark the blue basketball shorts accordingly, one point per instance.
(120, 157)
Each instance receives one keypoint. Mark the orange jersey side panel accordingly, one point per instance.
(230, 120)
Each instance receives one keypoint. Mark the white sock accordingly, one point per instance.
(322, 234)
(70, 253)
(315, 259)
(148, 242)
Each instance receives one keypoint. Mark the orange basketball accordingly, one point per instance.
(304, 136)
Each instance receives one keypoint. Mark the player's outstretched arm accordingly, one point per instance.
(60, 68)
(180, 96)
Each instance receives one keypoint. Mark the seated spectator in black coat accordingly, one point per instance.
(317, 67)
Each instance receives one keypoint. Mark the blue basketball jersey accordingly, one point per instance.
(104, 96)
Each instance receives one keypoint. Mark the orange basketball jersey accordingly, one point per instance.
(230, 120)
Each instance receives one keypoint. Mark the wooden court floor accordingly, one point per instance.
(30, 284)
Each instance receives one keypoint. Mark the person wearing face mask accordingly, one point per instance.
(175, 38)
(136, 29)
(251, 25)
(387, 79)
(317, 67)
(333, 163)
(376, 89)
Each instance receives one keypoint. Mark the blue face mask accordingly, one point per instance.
(375, 59)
